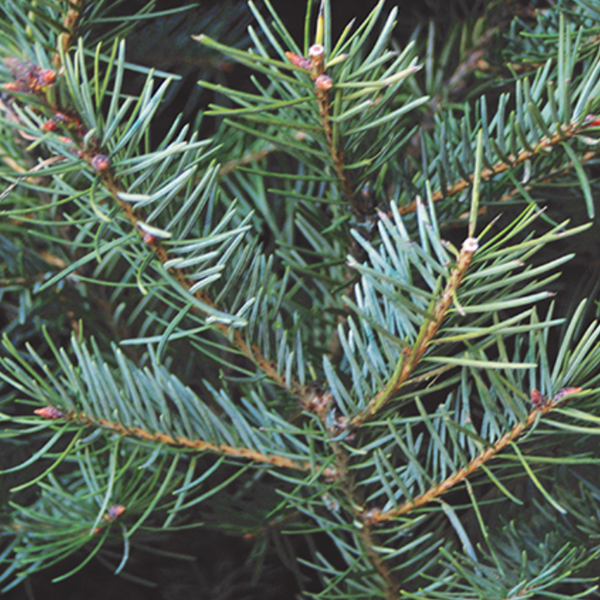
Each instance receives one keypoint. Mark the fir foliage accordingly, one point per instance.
(337, 326)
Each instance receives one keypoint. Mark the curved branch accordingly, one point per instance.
(101, 165)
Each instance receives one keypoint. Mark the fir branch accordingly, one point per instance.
(368, 451)
(99, 162)
(323, 85)
(50, 412)
(541, 408)
(253, 353)
(544, 145)
(545, 180)
(410, 357)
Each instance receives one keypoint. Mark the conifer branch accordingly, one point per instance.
(367, 536)
(342, 459)
(100, 163)
(410, 358)
(275, 460)
(323, 85)
(587, 157)
(253, 353)
(544, 145)
(315, 64)
(377, 516)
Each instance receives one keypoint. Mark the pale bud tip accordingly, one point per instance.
(316, 51)
(470, 245)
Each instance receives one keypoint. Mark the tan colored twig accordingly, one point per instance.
(543, 145)
(410, 358)
(183, 442)
(377, 516)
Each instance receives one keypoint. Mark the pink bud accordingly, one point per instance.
(49, 412)
(298, 61)
(48, 126)
(323, 82)
(115, 511)
(45, 77)
(537, 399)
(12, 86)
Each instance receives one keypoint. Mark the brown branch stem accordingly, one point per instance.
(336, 153)
(367, 537)
(183, 442)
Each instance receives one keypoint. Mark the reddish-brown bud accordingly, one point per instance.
(45, 77)
(49, 125)
(298, 61)
(114, 512)
(100, 163)
(149, 239)
(323, 83)
(13, 86)
(537, 399)
(49, 412)
(591, 121)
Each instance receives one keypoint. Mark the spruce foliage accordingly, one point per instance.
(346, 311)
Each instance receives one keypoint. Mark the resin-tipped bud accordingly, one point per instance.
(114, 512)
(45, 77)
(470, 245)
(49, 125)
